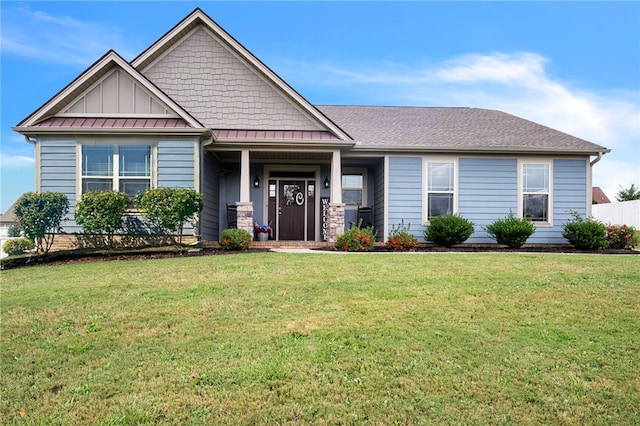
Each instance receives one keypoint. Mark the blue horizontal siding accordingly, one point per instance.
(176, 164)
(405, 193)
(487, 190)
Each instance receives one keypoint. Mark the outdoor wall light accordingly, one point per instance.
(256, 182)
(326, 182)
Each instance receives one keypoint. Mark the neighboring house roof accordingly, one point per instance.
(10, 216)
(451, 129)
(598, 195)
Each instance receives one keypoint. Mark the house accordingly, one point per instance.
(8, 219)
(197, 110)
(598, 196)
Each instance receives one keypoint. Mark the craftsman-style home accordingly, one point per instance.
(198, 110)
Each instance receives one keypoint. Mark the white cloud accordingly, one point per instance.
(58, 39)
(15, 161)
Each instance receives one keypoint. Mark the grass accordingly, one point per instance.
(278, 338)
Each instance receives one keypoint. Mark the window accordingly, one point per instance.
(535, 192)
(352, 189)
(440, 189)
(124, 168)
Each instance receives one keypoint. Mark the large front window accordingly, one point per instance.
(124, 168)
(535, 191)
(440, 189)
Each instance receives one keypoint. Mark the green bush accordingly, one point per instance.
(235, 239)
(585, 234)
(39, 215)
(100, 212)
(448, 230)
(357, 238)
(511, 231)
(620, 237)
(170, 208)
(17, 246)
(14, 231)
(400, 239)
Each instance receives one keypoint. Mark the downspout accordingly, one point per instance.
(590, 185)
(598, 158)
(37, 157)
(26, 138)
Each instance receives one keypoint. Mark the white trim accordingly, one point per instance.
(589, 189)
(197, 164)
(430, 159)
(536, 160)
(385, 202)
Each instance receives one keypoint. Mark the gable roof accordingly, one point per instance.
(598, 195)
(85, 81)
(199, 18)
(444, 129)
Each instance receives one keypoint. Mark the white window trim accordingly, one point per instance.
(549, 163)
(115, 178)
(356, 171)
(425, 183)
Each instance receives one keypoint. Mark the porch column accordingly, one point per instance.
(336, 207)
(245, 176)
(245, 205)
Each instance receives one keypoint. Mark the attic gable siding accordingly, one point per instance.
(222, 91)
(117, 94)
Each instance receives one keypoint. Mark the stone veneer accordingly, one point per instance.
(245, 216)
(336, 222)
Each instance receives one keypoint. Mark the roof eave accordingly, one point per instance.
(481, 150)
(35, 131)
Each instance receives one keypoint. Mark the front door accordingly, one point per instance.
(292, 205)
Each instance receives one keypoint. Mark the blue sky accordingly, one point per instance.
(573, 66)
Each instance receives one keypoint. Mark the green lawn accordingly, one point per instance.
(277, 338)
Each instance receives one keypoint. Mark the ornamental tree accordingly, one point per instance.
(628, 194)
(170, 208)
(39, 215)
(100, 212)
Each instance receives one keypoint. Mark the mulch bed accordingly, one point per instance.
(82, 256)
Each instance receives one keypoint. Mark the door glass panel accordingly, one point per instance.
(293, 195)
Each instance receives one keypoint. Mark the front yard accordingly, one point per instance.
(266, 338)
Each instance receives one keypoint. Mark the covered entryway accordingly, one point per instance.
(292, 205)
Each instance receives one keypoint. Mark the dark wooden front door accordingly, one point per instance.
(293, 200)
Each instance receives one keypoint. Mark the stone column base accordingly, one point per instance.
(336, 222)
(245, 216)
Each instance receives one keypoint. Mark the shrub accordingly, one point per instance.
(620, 237)
(100, 212)
(17, 246)
(357, 238)
(170, 208)
(400, 239)
(235, 239)
(585, 234)
(511, 231)
(39, 215)
(448, 230)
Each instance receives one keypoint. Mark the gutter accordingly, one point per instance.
(28, 139)
(598, 158)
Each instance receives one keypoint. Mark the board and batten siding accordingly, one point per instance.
(488, 190)
(58, 173)
(405, 193)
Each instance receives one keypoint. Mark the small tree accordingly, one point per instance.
(39, 216)
(170, 208)
(14, 231)
(628, 194)
(100, 212)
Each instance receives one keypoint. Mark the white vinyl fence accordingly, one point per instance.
(624, 213)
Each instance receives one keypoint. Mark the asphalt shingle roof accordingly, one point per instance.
(451, 129)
